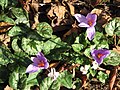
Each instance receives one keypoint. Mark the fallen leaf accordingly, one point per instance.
(5, 26)
(35, 8)
(79, 74)
(47, 1)
(72, 30)
(54, 64)
(117, 49)
(8, 88)
(112, 78)
(97, 11)
(4, 39)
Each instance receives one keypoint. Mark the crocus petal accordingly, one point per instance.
(31, 69)
(40, 56)
(92, 17)
(95, 53)
(83, 24)
(80, 18)
(35, 60)
(90, 33)
(46, 65)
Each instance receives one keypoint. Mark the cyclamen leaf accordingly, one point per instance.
(32, 80)
(44, 29)
(52, 44)
(15, 46)
(32, 47)
(65, 79)
(113, 27)
(77, 47)
(4, 74)
(4, 3)
(5, 55)
(13, 80)
(18, 12)
(6, 19)
(46, 83)
(113, 59)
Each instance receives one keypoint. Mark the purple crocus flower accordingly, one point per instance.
(99, 55)
(39, 62)
(89, 21)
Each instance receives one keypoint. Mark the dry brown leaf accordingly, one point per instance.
(53, 64)
(5, 26)
(84, 80)
(72, 9)
(58, 12)
(4, 39)
(47, 1)
(97, 11)
(8, 88)
(117, 49)
(72, 30)
(112, 78)
(35, 7)
(32, 6)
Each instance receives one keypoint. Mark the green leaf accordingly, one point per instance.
(14, 79)
(18, 12)
(102, 76)
(12, 3)
(113, 26)
(65, 79)
(113, 59)
(30, 46)
(46, 83)
(4, 74)
(5, 18)
(15, 45)
(81, 40)
(49, 84)
(44, 29)
(55, 85)
(92, 72)
(21, 15)
(52, 44)
(4, 4)
(77, 47)
(32, 79)
(97, 37)
(16, 30)
(79, 60)
(87, 52)
(23, 20)
(103, 44)
(5, 55)
(17, 79)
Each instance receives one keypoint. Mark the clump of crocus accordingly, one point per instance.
(99, 55)
(89, 21)
(39, 62)
(84, 69)
(53, 74)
